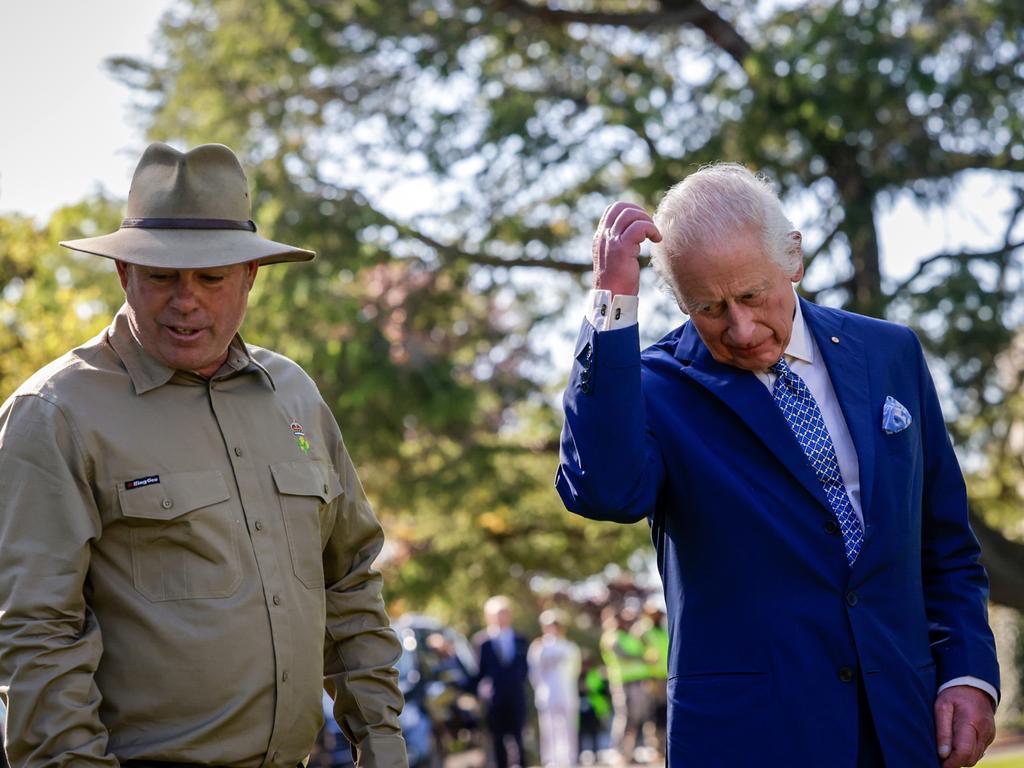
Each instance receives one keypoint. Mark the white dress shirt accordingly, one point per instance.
(607, 312)
(504, 641)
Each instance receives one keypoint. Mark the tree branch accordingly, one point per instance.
(673, 13)
(450, 253)
(688, 14)
(718, 30)
(823, 246)
(963, 258)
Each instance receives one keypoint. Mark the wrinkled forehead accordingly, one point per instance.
(728, 273)
(729, 288)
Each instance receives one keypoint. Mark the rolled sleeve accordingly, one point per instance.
(361, 648)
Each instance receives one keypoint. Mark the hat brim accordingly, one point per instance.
(188, 248)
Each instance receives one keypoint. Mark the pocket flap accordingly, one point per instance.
(306, 478)
(171, 494)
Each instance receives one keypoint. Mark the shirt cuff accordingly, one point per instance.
(974, 683)
(609, 313)
(382, 752)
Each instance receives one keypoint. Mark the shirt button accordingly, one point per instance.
(166, 503)
(284, 677)
(238, 451)
(851, 599)
(277, 600)
(325, 487)
(846, 674)
(258, 525)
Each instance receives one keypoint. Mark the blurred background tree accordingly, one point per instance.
(448, 160)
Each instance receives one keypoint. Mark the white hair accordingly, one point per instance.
(707, 207)
(496, 604)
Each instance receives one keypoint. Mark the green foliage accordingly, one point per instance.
(52, 298)
(522, 120)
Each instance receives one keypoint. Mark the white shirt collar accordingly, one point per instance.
(800, 345)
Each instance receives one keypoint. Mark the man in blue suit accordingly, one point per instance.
(501, 681)
(826, 603)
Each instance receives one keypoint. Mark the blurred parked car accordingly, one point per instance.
(332, 749)
(435, 672)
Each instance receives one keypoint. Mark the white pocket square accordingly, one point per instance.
(895, 416)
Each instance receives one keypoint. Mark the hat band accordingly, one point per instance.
(148, 223)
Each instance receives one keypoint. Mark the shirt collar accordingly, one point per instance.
(800, 345)
(147, 373)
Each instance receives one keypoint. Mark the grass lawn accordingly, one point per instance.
(1003, 762)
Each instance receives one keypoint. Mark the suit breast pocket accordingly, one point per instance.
(902, 442)
(185, 539)
(306, 490)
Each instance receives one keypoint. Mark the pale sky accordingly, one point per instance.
(66, 127)
(65, 124)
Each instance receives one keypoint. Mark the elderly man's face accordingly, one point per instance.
(740, 301)
(502, 617)
(186, 318)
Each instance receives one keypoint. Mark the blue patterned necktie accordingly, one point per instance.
(804, 417)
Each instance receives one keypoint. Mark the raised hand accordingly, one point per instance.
(623, 228)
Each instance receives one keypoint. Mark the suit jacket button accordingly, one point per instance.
(585, 387)
(846, 674)
(585, 356)
(832, 527)
(851, 599)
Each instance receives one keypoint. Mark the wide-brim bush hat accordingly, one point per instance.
(188, 210)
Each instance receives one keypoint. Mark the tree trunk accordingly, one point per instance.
(865, 284)
(1004, 561)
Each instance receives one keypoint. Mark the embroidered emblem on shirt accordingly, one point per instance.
(300, 436)
(141, 481)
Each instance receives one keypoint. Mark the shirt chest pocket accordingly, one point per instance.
(185, 540)
(306, 490)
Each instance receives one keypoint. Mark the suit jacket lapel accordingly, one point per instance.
(750, 400)
(847, 368)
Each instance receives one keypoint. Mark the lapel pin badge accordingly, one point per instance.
(300, 436)
(835, 339)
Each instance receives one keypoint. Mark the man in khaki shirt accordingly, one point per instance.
(185, 548)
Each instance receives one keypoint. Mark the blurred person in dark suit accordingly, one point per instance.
(501, 681)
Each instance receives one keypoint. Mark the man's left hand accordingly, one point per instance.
(964, 725)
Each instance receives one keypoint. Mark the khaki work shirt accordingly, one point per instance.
(182, 562)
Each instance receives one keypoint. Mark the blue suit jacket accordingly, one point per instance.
(769, 627)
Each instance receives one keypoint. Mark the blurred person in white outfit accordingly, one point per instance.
(554, 664)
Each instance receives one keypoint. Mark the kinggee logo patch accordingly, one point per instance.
(141, 482)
